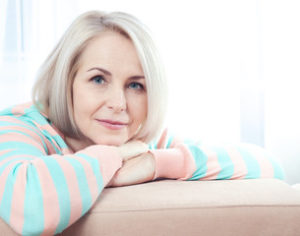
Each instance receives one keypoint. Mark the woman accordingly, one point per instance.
(98, 107)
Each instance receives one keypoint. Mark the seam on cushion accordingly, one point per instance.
(193, 208)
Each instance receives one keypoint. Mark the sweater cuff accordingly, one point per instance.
(169, 163)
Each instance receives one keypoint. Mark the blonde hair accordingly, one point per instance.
(52, 92)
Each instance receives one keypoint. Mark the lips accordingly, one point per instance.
(112, 124)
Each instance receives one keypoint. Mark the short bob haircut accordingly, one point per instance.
(52, 92)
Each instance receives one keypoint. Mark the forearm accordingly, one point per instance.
(51, 192)
(175, 159)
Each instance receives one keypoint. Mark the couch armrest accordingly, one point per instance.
(169, 207)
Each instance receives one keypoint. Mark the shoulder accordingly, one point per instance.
(24, 116)
(24, 112)
(26, 119)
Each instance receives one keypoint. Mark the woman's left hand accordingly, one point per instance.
(137, 170)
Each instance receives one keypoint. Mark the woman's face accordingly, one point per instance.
(109, 91)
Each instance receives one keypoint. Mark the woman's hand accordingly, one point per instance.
(136, 170)
(132, 149)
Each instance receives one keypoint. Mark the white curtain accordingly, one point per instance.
(3, 4)
(29, 29)
(233, 66)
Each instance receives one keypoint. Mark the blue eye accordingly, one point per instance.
(98, 79)
(135, 85)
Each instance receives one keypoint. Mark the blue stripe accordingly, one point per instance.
(5, 205)
(170, 139)
(33, 204)
(253, 168)
(13, 153)
(60, 141)
(26, 125)
(8, 123)
(5, 132)
(96, 169)
(83, 184)
(24, 147)
(200, 160)
(55, 139)
(62, 190)
(225, 162)
(33, 114)
(278, 170)
(6, 112)
(153, 145)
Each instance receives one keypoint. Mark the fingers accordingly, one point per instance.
(135, 171)
(132, 149)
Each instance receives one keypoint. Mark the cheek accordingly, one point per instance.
(138, 108)
(83, 104)
(78, 104)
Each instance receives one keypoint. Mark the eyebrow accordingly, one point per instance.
(135, 77)
(100, 69)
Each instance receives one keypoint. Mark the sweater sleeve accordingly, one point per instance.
(44, 194)
(186, 160)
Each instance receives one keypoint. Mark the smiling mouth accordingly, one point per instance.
(112, 125)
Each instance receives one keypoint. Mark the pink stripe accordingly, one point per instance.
(38, 128)
(240, 168)
(16, 121)
(18, 198)
(259, 154)
(7, 159)
(2, 152)
(50, 198)
(24, 130)
(51, 131)
(23, 139)
(212, 163)
(29, 131)
(49, 128)
(163, 139)
(66, 151)
(50, 148)
(175, 141)
(33, 134)
(189, 162)
(108, 158)
(75, 200)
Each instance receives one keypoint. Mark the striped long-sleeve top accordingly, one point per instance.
(45, 187)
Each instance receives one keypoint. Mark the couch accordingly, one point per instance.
(168, 207)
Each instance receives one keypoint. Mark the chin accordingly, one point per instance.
(111, 141)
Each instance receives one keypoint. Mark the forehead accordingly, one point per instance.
(110, 49)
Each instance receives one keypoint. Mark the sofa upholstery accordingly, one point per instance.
(169, 207)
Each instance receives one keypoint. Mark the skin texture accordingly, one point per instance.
(110, 104)
(109, 85)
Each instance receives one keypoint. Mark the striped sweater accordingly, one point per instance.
(45, 187)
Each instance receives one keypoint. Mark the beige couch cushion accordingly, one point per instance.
(239, 207)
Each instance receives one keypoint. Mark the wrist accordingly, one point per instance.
(169, 163)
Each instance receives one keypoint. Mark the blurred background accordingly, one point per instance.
(233, 66)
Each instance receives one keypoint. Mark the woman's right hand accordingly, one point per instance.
(132, 149)
(138, 165)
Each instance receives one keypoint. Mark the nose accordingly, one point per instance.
(116, 100)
